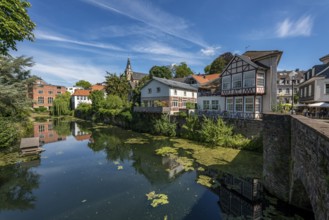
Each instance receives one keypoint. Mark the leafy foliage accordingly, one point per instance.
(218, 65)
(15, 24)
(182, 70)
(84, 84)
(61, 104)
(191, 127)
(160, 71)
(8, 133)
(97, 99)
(164, 126)
(117, 85)
(136, 93)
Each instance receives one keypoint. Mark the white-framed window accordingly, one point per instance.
(184, 93)
(249, 104)
(40, 100)
(214, 104)
(149, 90)
(249, 79)
(229, 104)
(280, 90)
(206, 104)
(261, 79)
(237, 81)
(175, 92)
(287, 90)
(310, 90)
(226, 83)
(41, 128)
(258, 102)
(327, 89)
(184, 103)
(158, 89)
(174, 103)
(238, 104)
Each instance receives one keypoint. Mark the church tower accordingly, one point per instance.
(128, 71)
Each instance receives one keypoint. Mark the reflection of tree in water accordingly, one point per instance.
(62, 127)
(112, 142)
(16, 185)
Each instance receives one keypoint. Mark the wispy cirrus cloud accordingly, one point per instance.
(293, 28)
(152, 16)
(209, 51)
(42, 35)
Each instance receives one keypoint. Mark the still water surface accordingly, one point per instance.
(105, 173)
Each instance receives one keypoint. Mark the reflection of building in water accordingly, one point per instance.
(241, 196)
(172, 166)
(45, 131)
(80, 135)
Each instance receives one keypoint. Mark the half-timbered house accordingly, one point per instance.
(249, 83)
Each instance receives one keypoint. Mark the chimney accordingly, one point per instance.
(325, 59)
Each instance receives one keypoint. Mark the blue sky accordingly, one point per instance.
(82, 39)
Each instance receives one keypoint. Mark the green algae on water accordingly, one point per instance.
(157, 199)
(204, 180)
(166, 151)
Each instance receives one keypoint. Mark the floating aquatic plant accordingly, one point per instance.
(204, 180)
(120, 167)
(186, 162)
(166, 151)
(157, 199)
(116, 162)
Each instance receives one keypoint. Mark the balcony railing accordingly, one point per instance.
(152, 109)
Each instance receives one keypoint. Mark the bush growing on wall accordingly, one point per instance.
(164, 126)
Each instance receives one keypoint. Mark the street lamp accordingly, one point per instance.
(292, 78)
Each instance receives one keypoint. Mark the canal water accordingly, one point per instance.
(105, 173)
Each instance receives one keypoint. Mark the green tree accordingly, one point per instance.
(218, 65)
(61, 104)
(15, 24)
(97, 100)
(117, 85)
(207, 69)
(84, 84)
(182, 70)
(160, 71)
(136, 93)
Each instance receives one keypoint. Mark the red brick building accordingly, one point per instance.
(43, 94)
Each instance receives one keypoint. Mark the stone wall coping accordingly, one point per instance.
(318, 125)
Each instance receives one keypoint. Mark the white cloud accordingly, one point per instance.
(152, 16)
(209, 51)
(301, 27)
(42, 35)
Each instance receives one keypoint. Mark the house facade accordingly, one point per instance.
(80, 96)
(315, 88)
(72, 89)
(163, 95)
(288, 85)
(43, 94)
(249, 84)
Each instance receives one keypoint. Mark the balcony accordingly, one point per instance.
(244, 91)
(158, 109)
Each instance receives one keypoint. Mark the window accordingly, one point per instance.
(287, 90)
(237, 81)
(41, 128)
(174, 103)
(238, 104)
(149, 90)
(175, 92)
(59, 87)
(184, 93)
(258, 104)
(40, 91)
(226, 83)
(229, 104)
(50, 92)
(78, 97)
(248, 79)
(214, 104)
(205, 104)
(40, 100)
(158, 89)
(59, 92)
(50, 100)
(280, 90)
(84, 98)
(327, 89)
(260, 79)
(184, 103)
(249, 104)
(50, 127)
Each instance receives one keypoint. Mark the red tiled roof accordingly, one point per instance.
(205, 78)
(81, 92)
(97, 87)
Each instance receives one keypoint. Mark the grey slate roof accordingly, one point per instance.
(324, 72)
(175, 84)
(138, 76)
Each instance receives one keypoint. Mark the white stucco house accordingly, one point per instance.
(164, 95)
(80, 96)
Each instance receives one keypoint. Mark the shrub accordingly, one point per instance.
(164, 126)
